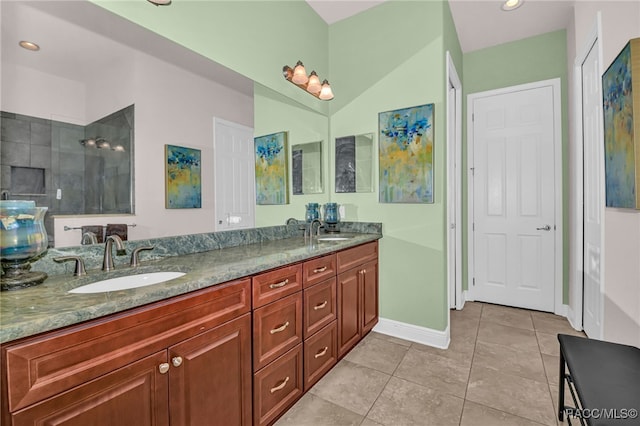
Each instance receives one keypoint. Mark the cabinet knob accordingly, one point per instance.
(279, 329)
(176, 361)
(163, 368)
(280, 386)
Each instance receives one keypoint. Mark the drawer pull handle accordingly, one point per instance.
(279, 329)
(320, 306)
(324, 268)
(322, 352)
(163, 368)
(176, 361)
(280, 386)
(280, 284)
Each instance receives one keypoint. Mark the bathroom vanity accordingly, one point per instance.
(240, 351)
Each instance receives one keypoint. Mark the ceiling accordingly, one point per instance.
(479, 23)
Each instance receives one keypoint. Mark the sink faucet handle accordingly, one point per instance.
(135, 255)
(79, 268)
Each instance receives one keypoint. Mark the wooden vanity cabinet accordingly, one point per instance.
(181, 361)
(357, 292)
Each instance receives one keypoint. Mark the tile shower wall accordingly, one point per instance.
(92, 181)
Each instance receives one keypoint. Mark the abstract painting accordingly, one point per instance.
(271, 169)
(183, 178)
(622, 128)
(406, 155)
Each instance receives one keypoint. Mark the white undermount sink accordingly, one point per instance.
(127, 282)
(334, 238)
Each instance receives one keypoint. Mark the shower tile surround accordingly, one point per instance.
(37, 145)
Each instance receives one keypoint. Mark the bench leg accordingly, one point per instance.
(561, 388)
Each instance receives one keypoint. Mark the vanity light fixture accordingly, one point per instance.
(311, 84)
(160, 2)
(509, 5)
(29, 45)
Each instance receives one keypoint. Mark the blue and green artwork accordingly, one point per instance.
(271, 169)
(406, 155)
(183, 178)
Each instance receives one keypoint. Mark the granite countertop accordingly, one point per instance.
(48, 306)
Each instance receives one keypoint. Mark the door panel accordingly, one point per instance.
(592, 169)
(514, 199)
(234, 176)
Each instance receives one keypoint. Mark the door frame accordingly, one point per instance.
(454, 193)
(576, 296)
(559, 307)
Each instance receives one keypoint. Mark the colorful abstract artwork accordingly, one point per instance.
(406, 155)
(271, 169)
(183, 178)
(621, 131)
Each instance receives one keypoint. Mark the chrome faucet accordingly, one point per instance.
(89, 238)
(107, 261)
(320, 225)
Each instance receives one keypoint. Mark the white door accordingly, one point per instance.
(514, 199)
(234, 176)
(592, 195)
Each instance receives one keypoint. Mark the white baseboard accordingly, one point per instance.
(414, 333)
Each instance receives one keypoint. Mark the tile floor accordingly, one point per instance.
(501, 368)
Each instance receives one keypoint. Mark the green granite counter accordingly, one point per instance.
(49, 306)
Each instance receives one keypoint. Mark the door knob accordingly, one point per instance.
(545, 228)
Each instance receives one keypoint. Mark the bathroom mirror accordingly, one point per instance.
(306, 168)
(354, 163)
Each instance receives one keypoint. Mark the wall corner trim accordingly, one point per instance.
(423, 335)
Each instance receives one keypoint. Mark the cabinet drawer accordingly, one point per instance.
(44, 366)
(277, 328)
(319, 306)
(273, 285)
(320, 354)
(353, 257)
(277, 386)
(318, 270)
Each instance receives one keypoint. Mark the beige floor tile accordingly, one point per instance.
(480, 415)
(460, 348)
(391, 339)
(446, 375)
(513, 317)
(551, 368)
(553, 324)
(512, 394)
(351, 386)
(311, 410)
(471, 311)
(515, 338)
(369, 422)
(406, 403)
(379, 354)
(510, 361)
(548, 343)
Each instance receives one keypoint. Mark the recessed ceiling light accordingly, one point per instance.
(511, 4)
(29, 45)
(160, 2)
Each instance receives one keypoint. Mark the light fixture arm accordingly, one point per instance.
(324, 94)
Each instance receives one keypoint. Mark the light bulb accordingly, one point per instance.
(299, 74)
(326, 93)
(314, 85)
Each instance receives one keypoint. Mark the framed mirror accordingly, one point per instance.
(354, 163)
(306, 168)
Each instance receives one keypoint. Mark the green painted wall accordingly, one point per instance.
(390, 57)
(274, 112)
(524, 61)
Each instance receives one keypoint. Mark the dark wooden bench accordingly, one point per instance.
(603, 379)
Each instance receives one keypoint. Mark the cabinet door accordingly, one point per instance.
(320, 354)
(132, 395)
(210, 377)
(369, 282)
(349, 322)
